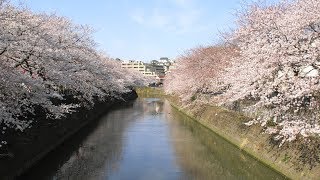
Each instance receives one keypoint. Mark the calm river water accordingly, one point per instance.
(148, 140)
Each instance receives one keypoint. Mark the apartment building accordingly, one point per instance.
(144, 68)
(156, 68)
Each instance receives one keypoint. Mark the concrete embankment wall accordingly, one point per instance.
(28, 147)
(296, 160)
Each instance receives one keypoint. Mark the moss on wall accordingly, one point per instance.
(296, 160)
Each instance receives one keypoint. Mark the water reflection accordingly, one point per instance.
(149, 140)
(204, 155)
(90, 154)
(153, 105)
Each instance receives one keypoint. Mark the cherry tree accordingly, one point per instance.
(199, 71)
(47, 61)
(278, 66)
(273, 64)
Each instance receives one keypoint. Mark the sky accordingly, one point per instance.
(146, 29)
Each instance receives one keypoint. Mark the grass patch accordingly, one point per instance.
(150, 92)
(230, 125)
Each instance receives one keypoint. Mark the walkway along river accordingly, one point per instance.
(148, 140)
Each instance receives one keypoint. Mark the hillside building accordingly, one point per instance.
(156, 68)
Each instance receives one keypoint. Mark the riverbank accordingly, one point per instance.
(27, 148)
(147, 92)
(296, 160)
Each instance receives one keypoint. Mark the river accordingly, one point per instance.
(149, 140)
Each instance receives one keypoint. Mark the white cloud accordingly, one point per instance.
(182, 18)
(138, 17)
(182, 3)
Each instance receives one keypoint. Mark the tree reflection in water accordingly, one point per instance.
(149, 140)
